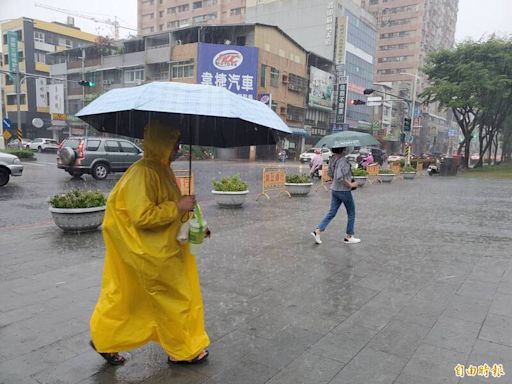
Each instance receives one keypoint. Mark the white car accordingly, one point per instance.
(43, 145)
(306, 157)
(10, 165)
(14, 143)
(393, 158)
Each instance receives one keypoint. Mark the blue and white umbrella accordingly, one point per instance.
(206, 115)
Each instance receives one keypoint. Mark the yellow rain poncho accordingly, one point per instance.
(150, 289)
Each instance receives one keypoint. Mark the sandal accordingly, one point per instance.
(112, 358)
(197, 360)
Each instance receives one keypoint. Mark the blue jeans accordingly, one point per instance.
(337, 198)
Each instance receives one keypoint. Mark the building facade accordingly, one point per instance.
(340, 31)
(277, 71)
(163, 15)
(408, 31)
(36, 40)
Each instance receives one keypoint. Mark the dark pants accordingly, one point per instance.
(338, 198)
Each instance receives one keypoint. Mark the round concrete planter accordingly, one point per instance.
(361, 180)
(78, 219)
(230, 199)
(408, 175)
(386, 177)
(298, 189)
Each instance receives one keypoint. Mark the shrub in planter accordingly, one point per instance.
(408, 173)
(298, 185)
(360, 176)
(359, 172)
(78, 210)
(25, 154)
(298, 179)
(386, 175)
(230, 191)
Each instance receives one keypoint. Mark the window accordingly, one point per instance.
(294, 113)
(171, 10)
(182, 69)
(183, 8)
(161, 14)
(11, 99)
(204, 18)
(112, 146)
(263, 75)
(197, 4)
(92, 145)
(161, 27)
(236, 11)
(39, 36)
(274, 77)
(296, 83)
(241, 40)
(128, 147)
(209, 3)
(134, 75)
(373, 2)
(19, 37)
(40, 57)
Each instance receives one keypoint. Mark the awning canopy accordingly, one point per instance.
(299, 131)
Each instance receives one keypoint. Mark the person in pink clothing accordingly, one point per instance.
(368, 160)
(315, 163)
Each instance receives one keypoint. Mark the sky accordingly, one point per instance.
(476, 18)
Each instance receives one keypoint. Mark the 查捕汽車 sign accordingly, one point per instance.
(229, 66)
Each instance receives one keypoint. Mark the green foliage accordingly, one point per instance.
(230, 184)
(298, 179)
(408, 169)
(77, 198)
(21, 153)
(385, 171)
(359, 172)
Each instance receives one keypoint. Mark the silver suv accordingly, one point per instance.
(97, 156)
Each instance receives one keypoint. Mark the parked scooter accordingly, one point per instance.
(433, 169)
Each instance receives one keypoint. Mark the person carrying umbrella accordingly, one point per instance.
(341, 193)
(150, 289)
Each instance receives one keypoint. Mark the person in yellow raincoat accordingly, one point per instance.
(150, 289)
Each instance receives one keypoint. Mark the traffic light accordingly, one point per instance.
(357, 102)
(402, 138)
(368, 91)
(85, 83)
(407, 124)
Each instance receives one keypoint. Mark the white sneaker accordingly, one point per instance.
(351, 240)
(317, 237)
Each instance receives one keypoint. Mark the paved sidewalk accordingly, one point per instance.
(429, 287)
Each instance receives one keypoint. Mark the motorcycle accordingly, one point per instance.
(432, 170)
(317, 172)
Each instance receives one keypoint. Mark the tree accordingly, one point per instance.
(474, 80)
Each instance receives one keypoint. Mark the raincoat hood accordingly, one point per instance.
(159, 141)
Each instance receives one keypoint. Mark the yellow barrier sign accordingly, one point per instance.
(395, 168)
(7, 135)
(324, 177)
(184, 182)
(373, 173)
(273, 179)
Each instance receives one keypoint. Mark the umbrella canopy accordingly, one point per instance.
(206, 115)
(347, 139)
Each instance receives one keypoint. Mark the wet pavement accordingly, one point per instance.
(429, 287)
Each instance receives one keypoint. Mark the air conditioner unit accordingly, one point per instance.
(107, 82)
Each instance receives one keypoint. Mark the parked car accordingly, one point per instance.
(97, 156)
(14, 143)
(306, 157)
(10, 165)
(395, 157)
(43, 145)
